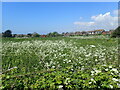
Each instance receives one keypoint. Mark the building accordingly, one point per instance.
(107, 32)
(99, 31)
(43, 36)
(94, 32)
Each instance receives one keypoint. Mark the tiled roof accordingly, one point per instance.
(100, 30)
(90, 31)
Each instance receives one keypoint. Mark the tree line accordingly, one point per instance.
(8, 33)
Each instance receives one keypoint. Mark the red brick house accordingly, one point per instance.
(107, 32)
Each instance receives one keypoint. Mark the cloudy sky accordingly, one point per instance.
(45, 17)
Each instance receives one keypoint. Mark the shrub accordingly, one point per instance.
(116, 32)
(7, 33)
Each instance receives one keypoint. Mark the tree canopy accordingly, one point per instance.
(116, 32)
(35, 34)
(53, 34)
(7, 33)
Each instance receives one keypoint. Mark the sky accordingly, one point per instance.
(45, 17)
(60, 0)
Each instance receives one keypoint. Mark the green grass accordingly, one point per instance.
(59, 62)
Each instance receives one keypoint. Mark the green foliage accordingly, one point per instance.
(7, 33)
(64, 78)
(59, 62)
(35, 34)
(29, 34)
(53, 34)
(116, 32)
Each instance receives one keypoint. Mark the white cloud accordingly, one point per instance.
(101, 21)
(84, 23)
(101, 17)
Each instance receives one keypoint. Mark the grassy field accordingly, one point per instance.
(59, 62)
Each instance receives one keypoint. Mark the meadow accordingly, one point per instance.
(60, 62)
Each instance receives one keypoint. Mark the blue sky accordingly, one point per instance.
(60, 0)
(45, 17)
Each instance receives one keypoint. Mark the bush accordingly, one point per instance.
(7, 33)
(102, 77)
(116, 32)
(35, 34)
(53, 34)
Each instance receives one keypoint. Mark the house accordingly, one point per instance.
(43, 36)
(69, 34)
(84, 33)
(107, 32)
(72, 33)
(99, 31)
(94, 32)
(66, 34)
(91, 32)
(78, 33)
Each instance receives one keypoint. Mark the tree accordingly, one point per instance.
(35, 34)
(53, 34)
(49, 34)
(116, 32)
(7, 33)
(29, 34)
